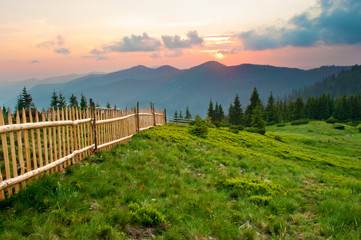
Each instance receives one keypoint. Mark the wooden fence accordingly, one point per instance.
(33, 142)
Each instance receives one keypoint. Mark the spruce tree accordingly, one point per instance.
(210, 112)
(237, 112)
(254, 102)
(270, 111)
(231, 114)
(257, 120)
(108, 105)
(216, 113)
(220, 113)
(176, 116)
(188, 114)
(54, 100)
(62, 101)
(73, 101)
(343, 110)
(83, 102)
(299, 109)
(25, 100)
(180, 114)
(4, 111)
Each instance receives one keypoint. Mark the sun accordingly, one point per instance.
(219, 55)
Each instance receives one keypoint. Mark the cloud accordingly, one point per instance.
(45, 44)
(339, 22)
(155, 55)
(173, 42)
(176, 53)
(141, 43)
(64, 51)
(35, 61)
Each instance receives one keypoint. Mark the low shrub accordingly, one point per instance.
(281, 125)
(145, 215)
(104, 231)
(256, 130)
(217, 124)
(270, 123)
(339, 126)
(299, 122)
(260, 200)
(251, 186)
(232, 130)
(198, 127)
(331, 120)
(352, 123)
(359, 129)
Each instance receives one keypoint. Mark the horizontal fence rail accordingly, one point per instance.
(180, 120)
(33, 143)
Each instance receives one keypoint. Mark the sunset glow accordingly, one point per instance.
(42, 39)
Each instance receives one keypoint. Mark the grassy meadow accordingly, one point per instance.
(294, 182)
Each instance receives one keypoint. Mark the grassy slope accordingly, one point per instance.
(296, 182)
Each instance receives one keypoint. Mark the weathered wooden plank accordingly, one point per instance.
(5, 153)
(13, 151)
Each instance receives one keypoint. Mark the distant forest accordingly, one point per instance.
(346, 82)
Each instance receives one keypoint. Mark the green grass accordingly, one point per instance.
(294, 182)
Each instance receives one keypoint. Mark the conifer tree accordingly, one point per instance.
(73, 101)
(257, 120)
(25, 100)
(299, 109)
(62, 101)
(83, 102)
(176, 115)
(270, 111)
(180, 114)
(210, 112)
(254, 102)
(4, 111)
(216, 113)
(236, 116)
(220, 113)
(108, 105)
(188, 114)
(54, 100)
(231, 113)
(343, 110)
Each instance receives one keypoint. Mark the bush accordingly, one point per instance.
(260, 200)
(270, 123)
(104, 231)
(198, 127)
(256, 130)
(281, 125)
(339, 126)
(233, 130)
(299, 122)
(217, 124)
(145, 215)
(359, 129)
(331, 120)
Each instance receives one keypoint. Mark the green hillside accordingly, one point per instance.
(294, 182)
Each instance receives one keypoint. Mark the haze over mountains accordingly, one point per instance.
(174, 89)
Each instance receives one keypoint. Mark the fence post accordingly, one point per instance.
(165, 116)
(94, 126)
(153, 110)
(138, 117)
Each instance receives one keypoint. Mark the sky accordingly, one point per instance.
(42, 38)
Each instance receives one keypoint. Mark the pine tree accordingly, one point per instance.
(62, 101)
(270, 111)
(299, 109)
(188, 114)
(257, 120)
(343, 110)
(4, 111)
(220, 113)
(83, 103)
(180, 114)
(54, 100)
(216, 113)
(254, 102)
(108, 105)
(231, 113)
(25, 100)
(236, 113)
(73, 101)
(176, 116)
(210, 113)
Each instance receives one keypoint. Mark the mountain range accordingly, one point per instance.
(174, 89)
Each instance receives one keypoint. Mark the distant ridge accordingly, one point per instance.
(175, 89)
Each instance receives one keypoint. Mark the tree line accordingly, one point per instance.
(25, 101)
(344, 108)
